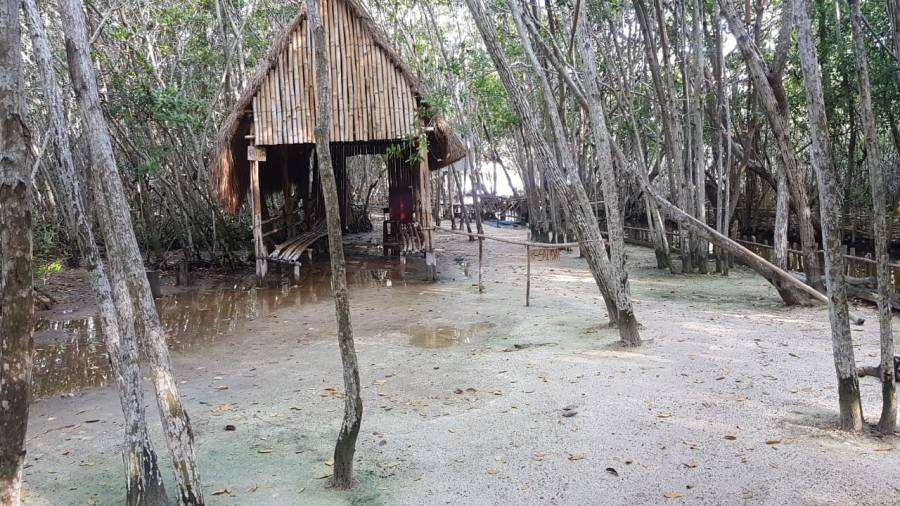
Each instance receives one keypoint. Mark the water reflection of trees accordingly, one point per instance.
(193, 321)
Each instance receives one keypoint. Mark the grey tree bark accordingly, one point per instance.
(143, 479)
(888, 421)
(829, 201)
(353, 408)
(573, 197)
(127, 267)
(614, 218)
(16, 283)
(786, 150)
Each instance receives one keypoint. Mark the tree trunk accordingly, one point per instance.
(573, 197)
(16, 283)
(888, 421)
(780, 232)
(143, 480)
(614, 218)
(787, 153)
(128, 274)
(353, 408)
(829, 202)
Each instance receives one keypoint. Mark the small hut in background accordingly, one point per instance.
(266, 145)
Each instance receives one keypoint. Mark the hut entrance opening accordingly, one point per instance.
(289, 220)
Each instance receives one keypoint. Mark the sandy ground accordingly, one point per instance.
(731, 400)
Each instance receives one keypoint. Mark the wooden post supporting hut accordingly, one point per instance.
(266, 146)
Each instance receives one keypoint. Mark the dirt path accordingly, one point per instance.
(732, 400)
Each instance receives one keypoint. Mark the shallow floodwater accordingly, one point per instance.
(77, 359)
(444, 336)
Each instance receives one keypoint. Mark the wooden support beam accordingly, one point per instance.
(424, 212)
(256, 155)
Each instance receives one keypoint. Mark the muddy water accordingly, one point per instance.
(444, 336)
(77, 359)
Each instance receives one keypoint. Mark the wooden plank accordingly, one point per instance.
(266, 116)
(284, 100)
(256, 115)
(365, 90)
(305, 92)
(295, 83)
(360, 88)
(289, 89)
(349, 73)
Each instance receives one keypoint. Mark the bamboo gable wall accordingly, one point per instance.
(371, 99)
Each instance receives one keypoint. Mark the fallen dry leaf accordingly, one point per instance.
(773, 441)
(673, 495)
(664, 414)
(612, 471)
(221, 408)
(692, 464)
(499, 457)
(265, 450)
(729, 437)
(492, 471)
(538, 457)
(329, 462)
(224, 491)
(884, 449)
(379, 382)
(576, 456)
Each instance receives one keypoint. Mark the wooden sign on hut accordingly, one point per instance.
(266, 145)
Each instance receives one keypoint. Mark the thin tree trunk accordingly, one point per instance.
(787, 153)
(16, 267)
(573, 197)
(829, 202)
(128, 274)
(780, 232)
(143, 479)
(614, 218)
(888, 422)
(353, 408)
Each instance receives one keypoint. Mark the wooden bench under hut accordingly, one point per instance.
(266, 145)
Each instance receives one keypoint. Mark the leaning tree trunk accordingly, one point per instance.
(787, 153)
(614, 223)
(573, 197)
(888, 422)
(143, 480)
(125, 256)
(830, 206)
(16, 283)
(353, 408)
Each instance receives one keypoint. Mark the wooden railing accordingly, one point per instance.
(859, 267)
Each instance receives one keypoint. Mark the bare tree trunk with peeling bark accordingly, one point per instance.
(143, 479)
(830, 202)
(888, 421)
(353, 408)
(16, 267)
(127, 268)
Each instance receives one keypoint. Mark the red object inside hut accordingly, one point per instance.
(402, 205)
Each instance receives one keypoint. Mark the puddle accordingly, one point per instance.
(74, 356)
(444, 336)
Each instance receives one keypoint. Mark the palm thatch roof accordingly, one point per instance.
(229, 168)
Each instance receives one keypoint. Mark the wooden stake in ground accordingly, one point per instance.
(129, 279)
(888, 421)
(143, 479)
(16, 283)
(353, 408)
(830, 202)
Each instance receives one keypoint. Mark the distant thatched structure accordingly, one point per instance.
(288, 69)
(266, 144)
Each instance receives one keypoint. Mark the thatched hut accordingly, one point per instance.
(266, 145)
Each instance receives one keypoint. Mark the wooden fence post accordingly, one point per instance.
(480, 264)
(256, 155)
(527, 275)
